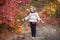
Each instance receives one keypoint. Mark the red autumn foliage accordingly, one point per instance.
(9, 8)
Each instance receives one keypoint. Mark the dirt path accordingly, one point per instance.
(44, 32)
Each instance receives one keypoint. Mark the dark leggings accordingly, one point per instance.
(33, 29)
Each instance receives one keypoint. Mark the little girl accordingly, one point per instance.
(33, 18)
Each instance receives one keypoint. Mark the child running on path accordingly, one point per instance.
(33, 18)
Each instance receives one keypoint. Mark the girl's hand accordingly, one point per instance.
(42, 22)
(22, 19)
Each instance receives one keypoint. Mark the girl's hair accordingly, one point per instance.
(32, 8)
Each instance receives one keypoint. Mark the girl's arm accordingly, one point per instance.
(39, 19)
(26, 18)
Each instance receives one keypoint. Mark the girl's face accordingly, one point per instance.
(31, 9)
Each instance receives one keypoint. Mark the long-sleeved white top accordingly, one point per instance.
(33, 17)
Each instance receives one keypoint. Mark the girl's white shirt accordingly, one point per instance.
(33, 17)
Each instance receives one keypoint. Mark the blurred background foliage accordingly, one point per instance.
(21, 9)
(51, 6)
